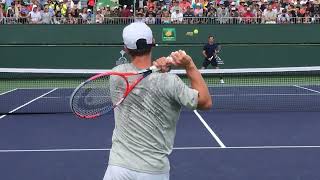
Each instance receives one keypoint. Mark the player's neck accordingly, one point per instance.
(142, 62)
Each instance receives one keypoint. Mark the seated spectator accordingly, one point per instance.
(71, 19)
(248, 16)
(188, 16)
(195, 3)
(174, 6)
(235, 16)
(99, 17)
(151, 4)
(269, 16)
(284, 17)
(125, 12)
(83, 16)
(223, 14)
(1, 14)
(165, 18)
(158, 18)
(198, 12)
(177, 16)
(150, 19)
(45, 16)
(212, 15)
(184, 5)
(34, 15)
(140, 17)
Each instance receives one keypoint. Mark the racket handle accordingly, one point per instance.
(155, 69)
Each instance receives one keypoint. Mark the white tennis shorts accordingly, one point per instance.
(120, 173)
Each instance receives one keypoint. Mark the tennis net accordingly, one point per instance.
(37, 91)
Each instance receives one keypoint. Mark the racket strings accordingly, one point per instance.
(99, 96)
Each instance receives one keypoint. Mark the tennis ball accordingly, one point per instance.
(195, 31)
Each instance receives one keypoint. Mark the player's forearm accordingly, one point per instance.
(204, 54)
(198, 83)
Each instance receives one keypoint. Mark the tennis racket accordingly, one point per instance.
(103, 92)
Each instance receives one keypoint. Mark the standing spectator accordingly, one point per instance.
(45, 16)
(184, 5)
(34, 15)
(269, 16)
(91, 4)
(188, 16)
(177, 16)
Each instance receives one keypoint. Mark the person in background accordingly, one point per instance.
(269, 16)
(91, 4)
(34, 15)
(45, 16)
(188, 16)
(177, 16)
(1, 14)
(150, 19)
(184, 5)
(99, 17)
(209, 52)
(248, 16)
(284, 17)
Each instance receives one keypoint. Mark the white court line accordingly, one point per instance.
(14, 110)
(213, 95)
(306, 88)
(176, 148)
(214, 135)
(8, 91)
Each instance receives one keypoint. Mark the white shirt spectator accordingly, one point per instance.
(283, 18)
(269, 17)
(150, 20)
(46, 18)
(177, 17)
(35, 16)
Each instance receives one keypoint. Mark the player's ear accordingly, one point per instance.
(126, 49)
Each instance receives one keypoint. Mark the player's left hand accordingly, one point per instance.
(163, 64)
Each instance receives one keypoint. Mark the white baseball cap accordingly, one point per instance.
(137, 34)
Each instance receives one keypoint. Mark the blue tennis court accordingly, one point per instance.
(253, 132)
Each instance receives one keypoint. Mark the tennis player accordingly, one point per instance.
(209, 52)
(145, 122)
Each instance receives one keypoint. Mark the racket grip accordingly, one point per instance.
(155, 69)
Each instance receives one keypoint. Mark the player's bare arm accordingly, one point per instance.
(181, 59)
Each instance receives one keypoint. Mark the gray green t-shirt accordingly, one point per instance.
(145, 122)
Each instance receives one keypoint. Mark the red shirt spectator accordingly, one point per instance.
(247, 16)
(150, 4)
(125, 12)
(184, 4)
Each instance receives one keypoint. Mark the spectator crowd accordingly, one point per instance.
(161, 12)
